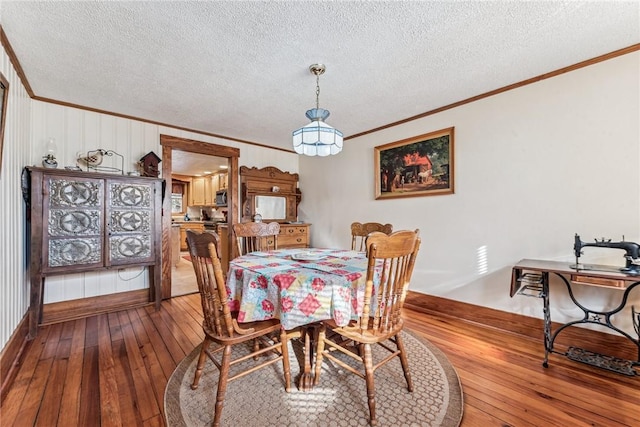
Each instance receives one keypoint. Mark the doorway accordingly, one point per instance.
(171, 144)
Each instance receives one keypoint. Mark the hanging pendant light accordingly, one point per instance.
(317, 138)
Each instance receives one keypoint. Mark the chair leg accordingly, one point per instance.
(284, 341)
(256, 347)
(322, 335)
(404, 361)
(222, 385)
(365, 350)
(201, 361)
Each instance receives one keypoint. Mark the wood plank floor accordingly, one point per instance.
(112, 369)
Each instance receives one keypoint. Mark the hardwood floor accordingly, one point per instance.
(111, 369)
(183, 278)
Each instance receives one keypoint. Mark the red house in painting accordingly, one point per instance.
(417, 168)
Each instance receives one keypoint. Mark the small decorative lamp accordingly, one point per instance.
(49, 159)
(317, 138)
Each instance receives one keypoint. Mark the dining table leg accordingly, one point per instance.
(309, 333)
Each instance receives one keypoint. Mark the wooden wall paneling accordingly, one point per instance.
(16, 150)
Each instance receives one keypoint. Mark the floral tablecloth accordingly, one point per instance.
(265, 285)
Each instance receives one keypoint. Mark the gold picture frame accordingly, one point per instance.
(419, 166)
(4, 97)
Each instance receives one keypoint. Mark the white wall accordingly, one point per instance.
(14, 288)
(77, 131)
(533, 166)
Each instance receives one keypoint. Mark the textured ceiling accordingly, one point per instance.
(240, 68)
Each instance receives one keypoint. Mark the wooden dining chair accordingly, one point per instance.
(220, 326)
(391, 258)
(360, 231)
(256, 236)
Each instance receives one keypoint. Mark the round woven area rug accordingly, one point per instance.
(340, 399)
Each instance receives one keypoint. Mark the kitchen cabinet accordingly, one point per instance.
(90, 221)
(203, 191)
(215, 184)
(184, 226)
(223, 181)
(198, 191)
(219, 181)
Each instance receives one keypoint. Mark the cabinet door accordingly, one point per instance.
(198, 192)
(183, 239)
(208, 191)
(73, 222)
(130, 222)
(215, 185)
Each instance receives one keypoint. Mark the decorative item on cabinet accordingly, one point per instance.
(149, 164)
(49, 160)
(82, 222)
(93, 161)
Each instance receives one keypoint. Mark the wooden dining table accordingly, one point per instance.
(300, 287)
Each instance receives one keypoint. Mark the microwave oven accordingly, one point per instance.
(221, 198)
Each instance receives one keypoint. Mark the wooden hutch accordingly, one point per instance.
(275, 196)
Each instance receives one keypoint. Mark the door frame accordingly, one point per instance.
(168, 144)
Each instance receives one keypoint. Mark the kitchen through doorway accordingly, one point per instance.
(196, 179)
(194, 173)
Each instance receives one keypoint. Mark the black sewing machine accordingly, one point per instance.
(632, 253)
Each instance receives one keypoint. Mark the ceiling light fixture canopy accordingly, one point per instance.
(317, 138)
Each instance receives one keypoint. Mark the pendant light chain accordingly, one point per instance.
(317, 90)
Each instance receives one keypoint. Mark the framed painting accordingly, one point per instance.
(4, 95)
(418, 166)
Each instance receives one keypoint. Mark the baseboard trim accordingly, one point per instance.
(80, 308)
(519, 324)
(11, 356)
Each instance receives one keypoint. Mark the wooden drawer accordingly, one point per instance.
(293, 236)
(598, 281)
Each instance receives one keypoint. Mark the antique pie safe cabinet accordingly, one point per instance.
(89, 221)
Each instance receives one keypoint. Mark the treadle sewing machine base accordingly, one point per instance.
(531, 278)
(610, 363)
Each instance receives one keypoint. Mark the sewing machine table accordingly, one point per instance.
(531, 278)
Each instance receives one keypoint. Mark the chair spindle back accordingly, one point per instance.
(391, 258)
(256, 236)
(203, 249)
(360, 231)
